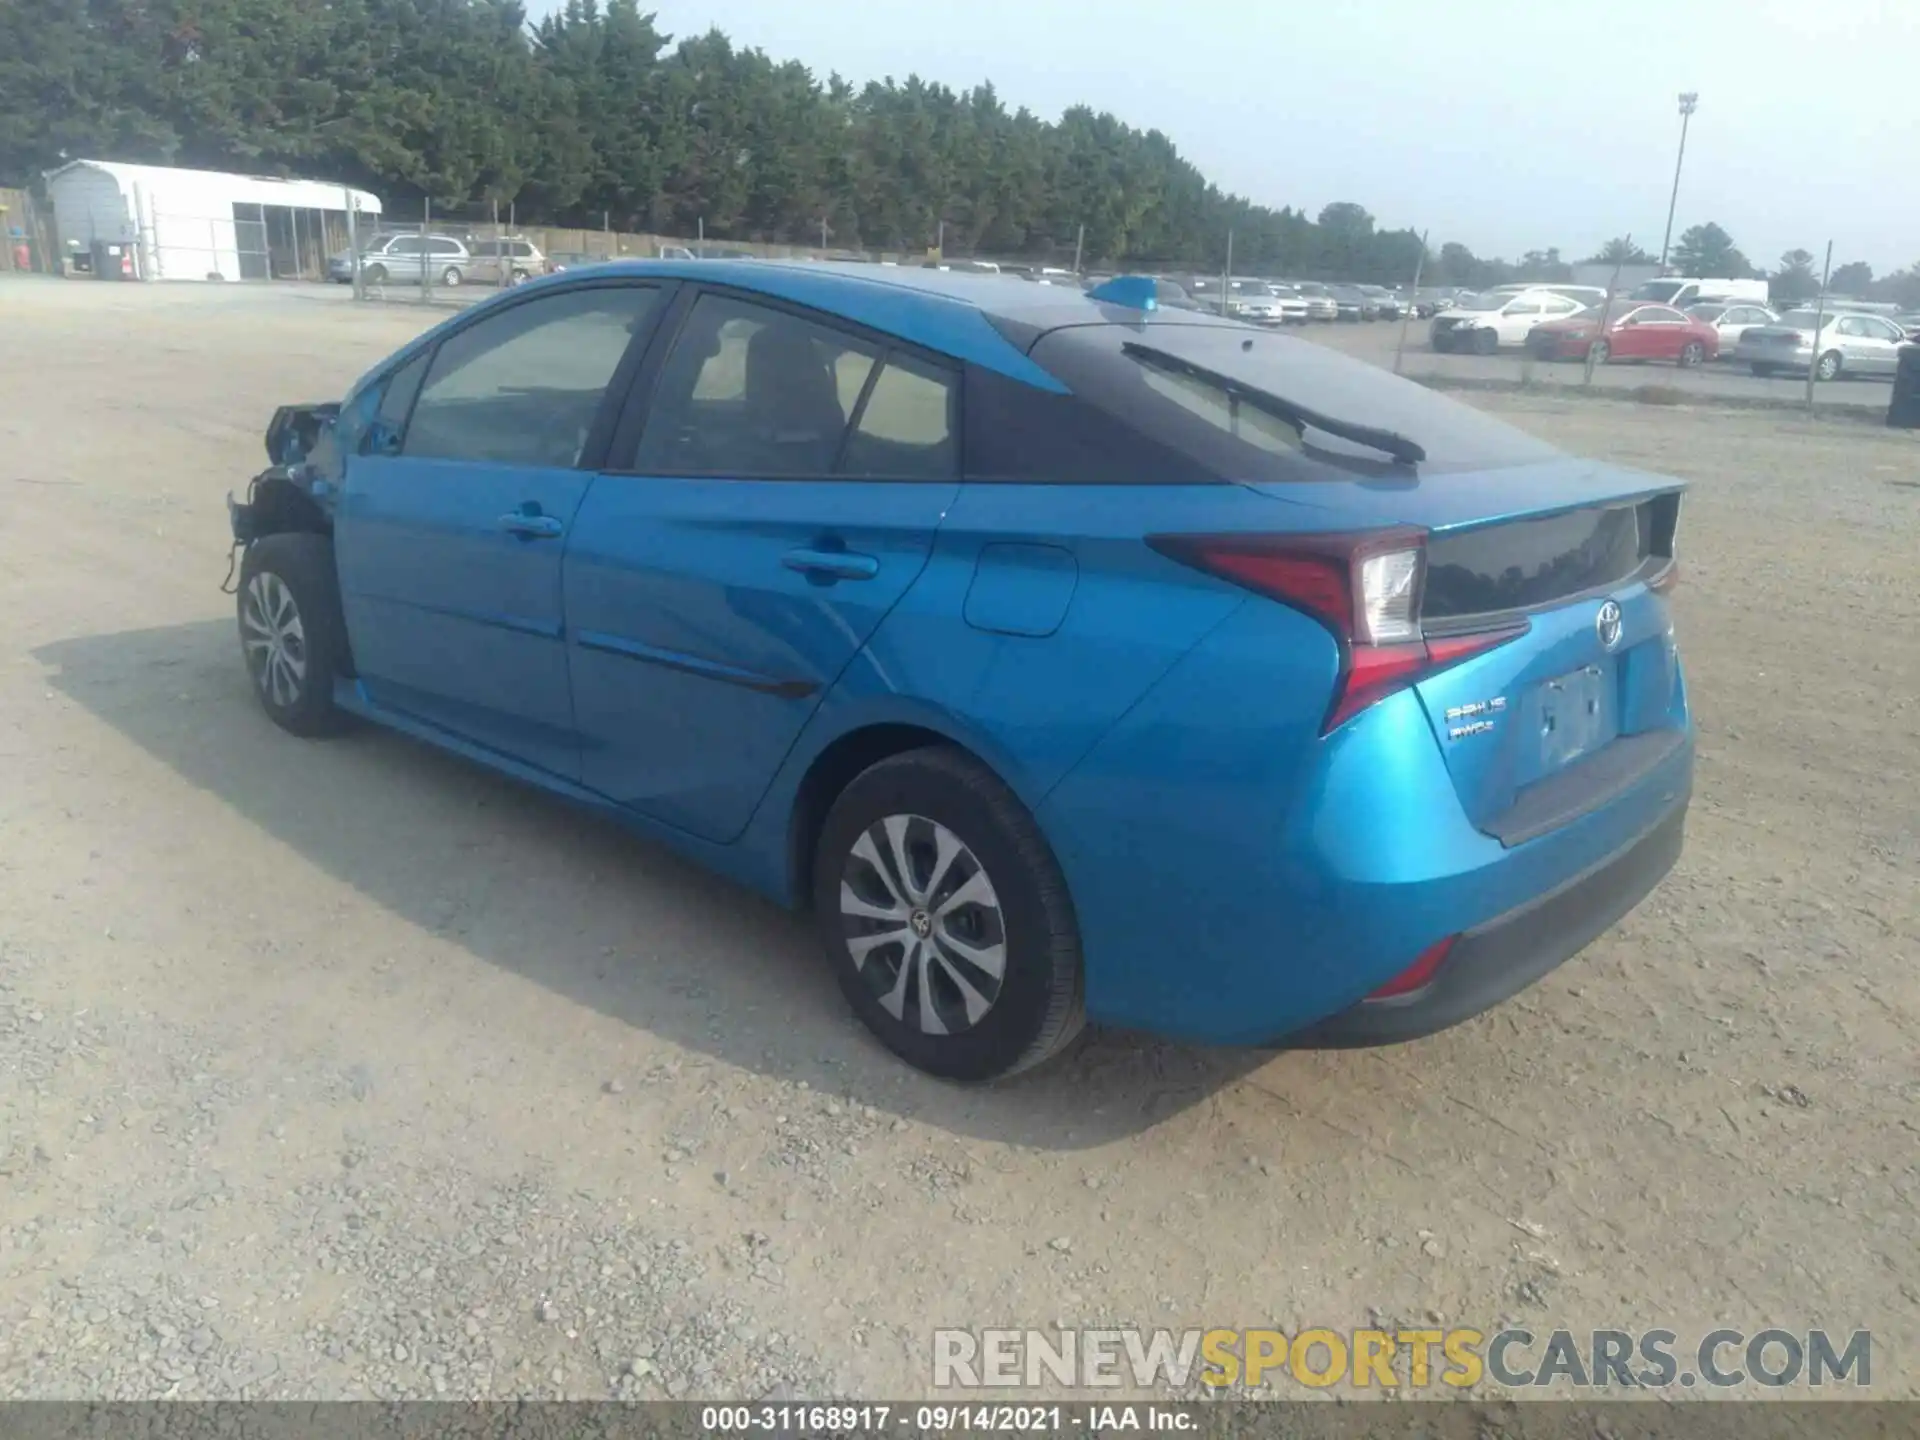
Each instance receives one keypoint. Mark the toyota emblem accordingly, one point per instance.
(1607, 625)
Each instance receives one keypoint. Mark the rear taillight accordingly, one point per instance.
(1365, 588)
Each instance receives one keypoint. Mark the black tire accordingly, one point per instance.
(1485, 342)
(293, 570)
(1038, 1005)
(1441, 345)
(450, 277)
(1764, 370)
(374, 275)
(519, 277)
(1691, 354)
(1827, 367)
(1601, 352)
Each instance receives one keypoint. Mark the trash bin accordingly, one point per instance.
(111, 261)
(1903, 411)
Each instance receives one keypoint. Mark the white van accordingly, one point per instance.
(1681, 291)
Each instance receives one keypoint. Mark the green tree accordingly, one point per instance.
(1794, 280)
(1854, 278)
(1619, 251)
(1707, 250)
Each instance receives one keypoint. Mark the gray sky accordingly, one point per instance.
(1506, 124)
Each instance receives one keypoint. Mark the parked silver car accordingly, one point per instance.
(402, 258)
(1732, 319)
(1847, 344)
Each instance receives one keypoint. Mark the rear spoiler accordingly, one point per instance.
(296, 429)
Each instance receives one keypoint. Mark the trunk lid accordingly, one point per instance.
(1554, 719)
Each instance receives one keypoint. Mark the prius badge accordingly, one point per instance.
(1606, 625)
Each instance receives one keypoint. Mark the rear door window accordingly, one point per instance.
(905, 428)
(752, 391)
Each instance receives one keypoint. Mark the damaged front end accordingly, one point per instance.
(293, 493)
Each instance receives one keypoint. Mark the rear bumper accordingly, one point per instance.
(1497, 960)
(1240, 879)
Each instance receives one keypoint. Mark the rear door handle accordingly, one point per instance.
(530, 527)
(831, 564)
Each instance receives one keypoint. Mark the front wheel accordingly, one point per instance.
(1485, 342)
(292, 633)
(450, 277)
(374, 275)
(946, 918)
(519, 277)
(1693, 353)
(1829, 366)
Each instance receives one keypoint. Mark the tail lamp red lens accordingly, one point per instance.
(1365, 588)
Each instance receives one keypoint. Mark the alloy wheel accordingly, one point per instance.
(275, 639)
(923, 924)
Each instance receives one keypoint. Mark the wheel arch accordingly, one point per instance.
(277, 506)
(836, 765)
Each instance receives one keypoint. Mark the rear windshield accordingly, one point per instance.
(1113, 367)
(1662, 290)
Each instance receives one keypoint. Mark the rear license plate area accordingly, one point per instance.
(1573, 715)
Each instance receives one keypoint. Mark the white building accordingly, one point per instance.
(202, 224)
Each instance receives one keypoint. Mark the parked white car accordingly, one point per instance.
(1731, 321)
(1266, 304)
(1847, 345)
(1500, 320)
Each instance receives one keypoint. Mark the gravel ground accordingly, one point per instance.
(344, 1070)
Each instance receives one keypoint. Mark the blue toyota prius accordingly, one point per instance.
(1068, 657)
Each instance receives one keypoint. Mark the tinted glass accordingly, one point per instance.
(906, 429)
(523, 385)
(1093, 363)
(404, 245)
(446, 247)
(751, 391)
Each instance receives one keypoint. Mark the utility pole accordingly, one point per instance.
(1079, 244)
(1689, 102)
(1226, 277)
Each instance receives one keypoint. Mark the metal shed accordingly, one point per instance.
(173, 224)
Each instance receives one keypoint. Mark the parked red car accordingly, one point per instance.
(1632, 330)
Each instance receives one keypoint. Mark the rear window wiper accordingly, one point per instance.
(1388, 442)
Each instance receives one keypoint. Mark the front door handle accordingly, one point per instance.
(530, 527)
(831, 564)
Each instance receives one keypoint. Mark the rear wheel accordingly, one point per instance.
(1485, 342)
(946, 918)
(292, 633)
(1601, 352)
(1693, 353)
(1829, 366)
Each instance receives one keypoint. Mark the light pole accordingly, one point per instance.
(1689, 102)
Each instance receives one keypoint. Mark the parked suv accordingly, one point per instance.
(403, 258)
(513, 260)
